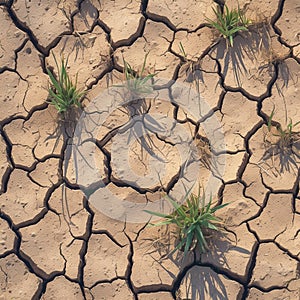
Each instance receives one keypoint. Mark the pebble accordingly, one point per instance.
(17, 34)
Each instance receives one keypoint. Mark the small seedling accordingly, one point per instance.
(193, 219)
(181, 48)
(229, 22)
(192, 70)
(286, 136)
(63, 93)
(137, 83)
(189, 65)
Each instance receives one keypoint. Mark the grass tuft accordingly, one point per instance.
(137, 83)
(286, 136)
(229, 22)
(193, 219)
(63, 93)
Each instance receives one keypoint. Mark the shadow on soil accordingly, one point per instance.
(205, 280)
(283, 154)
(256, 45)
(200, 277)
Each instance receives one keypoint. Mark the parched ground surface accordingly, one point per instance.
(55, 244)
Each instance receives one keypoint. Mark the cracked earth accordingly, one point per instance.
(55, 244)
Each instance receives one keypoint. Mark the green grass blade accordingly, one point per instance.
(162, 223)
(54, 82)
(271, 118)
(177, 207)
(297, 123)
(212, 226)
(144, 64)
(214, 209)
(201, 240)
(188, 242)
(182, 50)
(156, 214)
